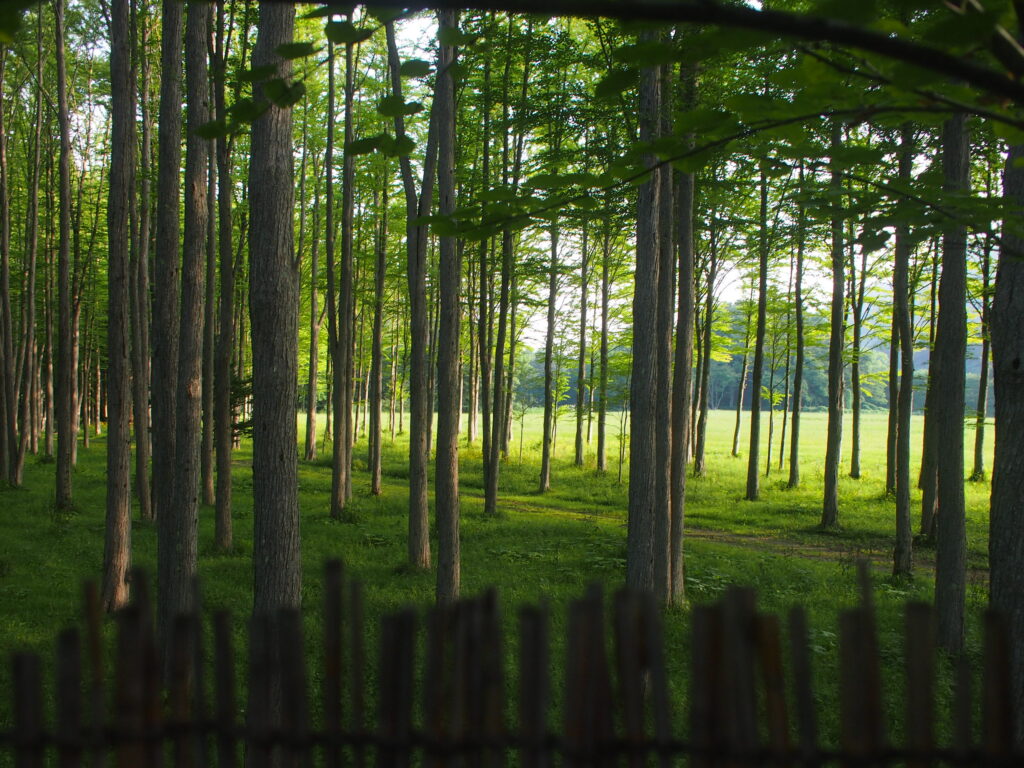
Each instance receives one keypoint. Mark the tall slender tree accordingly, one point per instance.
(65, 372)
(117, 541)
(449, 373)
(950, 354)
(273, 312)
(834, 433)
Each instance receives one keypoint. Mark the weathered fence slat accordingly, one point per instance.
(28, 710)
(69, 699)
(616, 709)
(224, 689)
(333, 586)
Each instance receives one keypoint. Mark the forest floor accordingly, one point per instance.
(541, 546)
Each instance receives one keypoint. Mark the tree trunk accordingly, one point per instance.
(117, 540)
(978, 472)
(314, 327)
(549, 352)
(223, 415)
(377, 352)
(950, 351)
(446, 484)
(166, 316)
(177, 558)
(834, 434)
(903, 553)
(700, 444)
(643, 509)
(416, 260)
(1006, 518)
(741, 388)
(140, 277)
(9, 436)
(602, 407)
(273, 310)
(65, 372)
(27, 357)
(858, 318)
(798, 369)
(682, 380)
(753, 490)
(581, 364)
(209, 326)
(345, 363)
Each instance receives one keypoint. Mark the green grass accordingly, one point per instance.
(540, 547)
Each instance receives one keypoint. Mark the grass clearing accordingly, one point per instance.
(546, 546)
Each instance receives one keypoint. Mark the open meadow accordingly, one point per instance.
(541, 547)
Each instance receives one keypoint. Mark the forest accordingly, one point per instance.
(659, 294)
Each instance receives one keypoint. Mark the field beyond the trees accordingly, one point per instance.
(546, 546)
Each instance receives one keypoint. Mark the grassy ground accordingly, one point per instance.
(541, 547)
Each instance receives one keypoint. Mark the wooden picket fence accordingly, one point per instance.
(454, 706)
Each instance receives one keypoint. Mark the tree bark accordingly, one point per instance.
(753, 472)
(903, 553)
(978, 471)
(1006, 518)
(682, 381)
(950, 351)
(416, 264)
(834, 434)
(549, 353)
(24, 394)
(177, 553)
(9, 436)
(117, 539)
(581, 363)
(314, 326)
(858, 318)
(65, 372)
(602, 406)
(141, 308)
(446, 483)
(377, 351)
(273, 314)
(798, 369)
(643, 511)
(166, 316)
(223, 413)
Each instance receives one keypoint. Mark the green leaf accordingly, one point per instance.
(295, 50)
(414, 68)
(256, 74)
(365, 146)
(457, 70)
(215, 129)
(247, 110)
(1008, 133)
(453, 37)
(392, 147)
(346, 33)
(393, 106)
(848, 156)
(615, 82)
(649, 53)
(385, 13)
(329, 10)
(283, 93)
